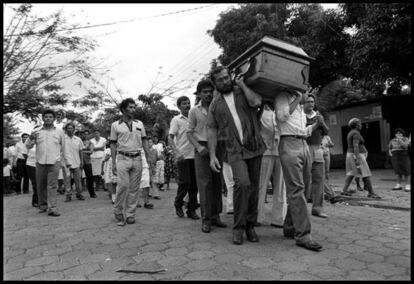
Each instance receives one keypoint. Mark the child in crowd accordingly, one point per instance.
(8, 177)
(152, 162)
(145, 183)
(109, 178)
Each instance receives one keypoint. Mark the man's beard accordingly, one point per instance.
(225, 89)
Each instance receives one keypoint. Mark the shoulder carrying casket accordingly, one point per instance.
(272, 65)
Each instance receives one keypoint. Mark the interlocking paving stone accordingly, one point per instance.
(84, 243)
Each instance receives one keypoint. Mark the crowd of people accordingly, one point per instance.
(232, 142)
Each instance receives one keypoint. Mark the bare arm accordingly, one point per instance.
(113, 155)
(253, 98)
(178, 156)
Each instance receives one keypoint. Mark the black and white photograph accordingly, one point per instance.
(207, 141)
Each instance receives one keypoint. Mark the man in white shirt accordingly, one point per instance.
(74, 157)
(296, 164)
(184, 156)
(97, 157)
(50, 146)
(21, 155)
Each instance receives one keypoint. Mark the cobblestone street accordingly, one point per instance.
(360, 242)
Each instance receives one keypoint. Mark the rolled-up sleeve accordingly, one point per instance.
(113, 136)
(174, 126)
(192, 122)
(282, 107)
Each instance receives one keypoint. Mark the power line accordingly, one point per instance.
(113, 23)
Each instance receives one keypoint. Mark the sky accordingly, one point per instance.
(152, 48)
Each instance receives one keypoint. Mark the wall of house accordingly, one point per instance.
(367, 113)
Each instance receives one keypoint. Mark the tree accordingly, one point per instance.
(380, 49)
(39, 53)
(238, 29)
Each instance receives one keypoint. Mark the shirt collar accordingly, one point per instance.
(122, 120)
(53, 127)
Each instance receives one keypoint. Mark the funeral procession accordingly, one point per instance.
(207, 141)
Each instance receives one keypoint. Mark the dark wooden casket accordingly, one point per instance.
(271, 66)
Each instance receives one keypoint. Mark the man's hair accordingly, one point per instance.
(182, 99)
(51, 111)
(217, 70)
(399, 130)
(69, 124)
(86, 130)
(24, 134)
(205, 83)
(124, 104)
(312, 96)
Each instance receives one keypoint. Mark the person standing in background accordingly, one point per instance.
(398, 150)
(97, 156)
(21, 156)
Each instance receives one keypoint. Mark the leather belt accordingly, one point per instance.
(294, 136)
(130, 155)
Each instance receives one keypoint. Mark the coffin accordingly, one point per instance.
(271, 66)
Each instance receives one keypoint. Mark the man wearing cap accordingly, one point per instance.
(234, 127)
(208, 181)
(127, 138)
(296, 164)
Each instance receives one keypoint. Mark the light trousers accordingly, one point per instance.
(271, 168)
(129, 172)
(229, 181)
(47, 184)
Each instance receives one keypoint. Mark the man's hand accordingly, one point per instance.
(239, 80)
(114, 168)
(215, 165)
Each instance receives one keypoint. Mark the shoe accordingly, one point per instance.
(157, 197)
(352, 191)
(93, 196)
(320, 215)
(397, 188)
(336, 199)
(277, 226)
(373, 195)
(80, 197)
(42, 210)
(113, 202)
(53, 213)
(257, 224)
(251, 235)
(238, 237)
(289, 233)
(310, 245)
(119, 217)
(179, 211)
(61, 192)
(68, 198)
(407, 188)
(139, 205)
(34, 204)
(149, 205)
(218, 223)
(130, 220)
(346, 193)
(192, 215)
(206, 228)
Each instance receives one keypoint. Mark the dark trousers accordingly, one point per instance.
(186, 184)
(22, 174)
(246, 175)
(89, 178)
(209, 186)
(7, 185)
(31, 173)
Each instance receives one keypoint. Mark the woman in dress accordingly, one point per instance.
(356, 163)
